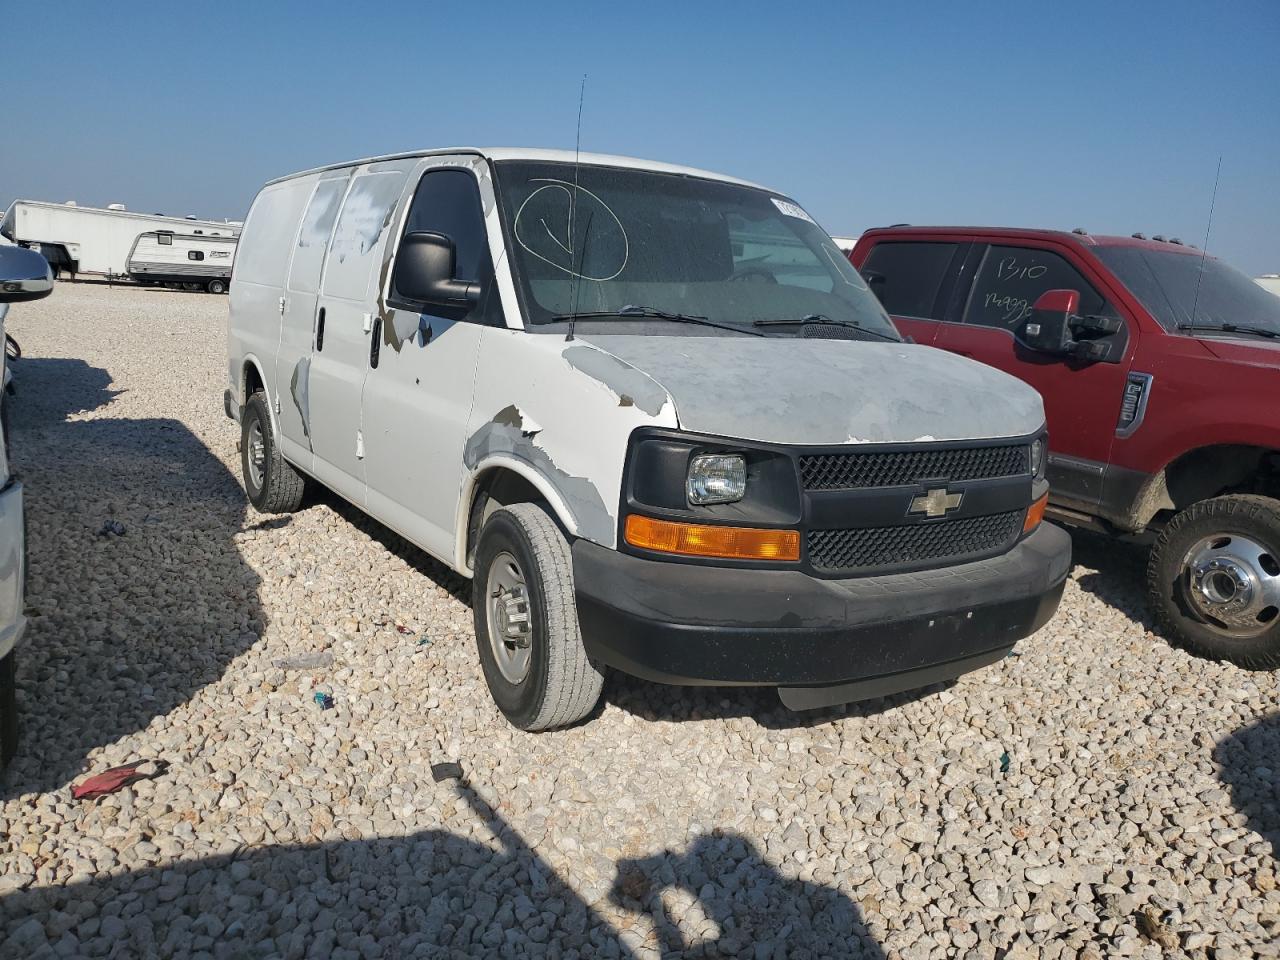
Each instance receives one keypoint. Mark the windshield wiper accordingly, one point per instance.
(1230, 328)
(819, 318)
(633, 312)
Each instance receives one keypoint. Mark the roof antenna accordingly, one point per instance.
(1204, 251)
(573, 216)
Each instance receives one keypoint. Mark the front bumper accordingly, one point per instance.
(12, 568)
(822, 641)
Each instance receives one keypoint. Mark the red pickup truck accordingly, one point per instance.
(1160, 372)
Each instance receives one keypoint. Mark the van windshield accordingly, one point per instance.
(626, 246)
(1171, 285)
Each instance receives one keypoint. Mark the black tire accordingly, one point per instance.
(216, 286)
(1257, 519)
(8, 708)
(273, 486)
(561, 685)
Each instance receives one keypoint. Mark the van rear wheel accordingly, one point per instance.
(526, 622)
(1214, 580)
(273, 486)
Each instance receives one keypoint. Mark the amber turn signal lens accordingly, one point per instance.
(1035, 513)
(700, 540)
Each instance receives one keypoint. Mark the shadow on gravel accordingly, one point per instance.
(1119, 572)
(1249, 762)
(124, 628)
(657, 701)
(433, 893)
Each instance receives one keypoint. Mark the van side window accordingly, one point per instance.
(907, 277)
(448, 202)
(195, 254)
(164, 239)
(1011, 279)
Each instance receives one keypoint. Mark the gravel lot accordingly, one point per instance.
(1099, 794)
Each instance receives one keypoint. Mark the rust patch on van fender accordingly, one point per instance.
(632, 386)
(301, 398)
(512, 433)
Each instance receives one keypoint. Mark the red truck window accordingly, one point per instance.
(1010, 279)
(907, 276)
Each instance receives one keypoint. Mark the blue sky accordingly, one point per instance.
(1109, 116)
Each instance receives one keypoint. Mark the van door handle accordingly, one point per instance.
(373, 346)
(320, 331)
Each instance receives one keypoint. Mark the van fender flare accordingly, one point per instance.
(251, 360)
(555, 500)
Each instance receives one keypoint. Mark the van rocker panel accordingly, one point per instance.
(696, 625)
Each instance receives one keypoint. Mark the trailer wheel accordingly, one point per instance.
(1214, 580)
(216, 286)
(526, 622)
(270, 481)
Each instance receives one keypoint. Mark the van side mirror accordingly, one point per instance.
(1048, 329)
(24, 275)
(425, 265)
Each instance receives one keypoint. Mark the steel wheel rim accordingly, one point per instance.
(507, 611)
(256, 451)
(1232, 584)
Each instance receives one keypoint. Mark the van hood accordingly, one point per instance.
(811, 392)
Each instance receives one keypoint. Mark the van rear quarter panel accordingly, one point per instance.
(258, 279)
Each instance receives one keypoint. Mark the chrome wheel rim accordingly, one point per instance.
(256, 451)
(1232, 583)
(507, 610)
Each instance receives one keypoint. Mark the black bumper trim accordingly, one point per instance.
(685, 624)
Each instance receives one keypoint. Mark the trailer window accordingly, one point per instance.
(164, 239)
(195, 254)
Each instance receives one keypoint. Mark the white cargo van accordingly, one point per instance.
(653, 412)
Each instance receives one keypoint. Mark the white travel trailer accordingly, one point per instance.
(182, 259)
(90, 241)
(653, 412)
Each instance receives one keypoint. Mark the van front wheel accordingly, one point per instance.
(526, 622)
(1214, 580)
(273, 486)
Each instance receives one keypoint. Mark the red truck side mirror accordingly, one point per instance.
(1049, 328)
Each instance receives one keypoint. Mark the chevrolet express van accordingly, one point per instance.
(653, 413)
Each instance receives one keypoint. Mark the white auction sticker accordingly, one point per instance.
(792, 210)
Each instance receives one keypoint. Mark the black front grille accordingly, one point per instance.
(849, 471)
(911, 544)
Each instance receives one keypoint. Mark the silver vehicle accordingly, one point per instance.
(655, 415)
(24, 275)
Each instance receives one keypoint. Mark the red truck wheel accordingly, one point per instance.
(1214, 580)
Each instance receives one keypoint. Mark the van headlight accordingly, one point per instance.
(716, 478)
(1039, 449)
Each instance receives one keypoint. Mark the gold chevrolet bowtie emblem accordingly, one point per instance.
(936, 503)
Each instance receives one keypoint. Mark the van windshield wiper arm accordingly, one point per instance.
(819, 318)
(633, 312)
(1230, 328)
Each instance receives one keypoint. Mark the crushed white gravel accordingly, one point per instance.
(1098, 794)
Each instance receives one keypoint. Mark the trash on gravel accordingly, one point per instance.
(325, 700)
(110, 527)
(446, 771)
(305, 661)
(401, 628)
(1004, 762)
(117, 778)
(425, 640)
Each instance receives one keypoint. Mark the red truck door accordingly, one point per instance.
(1081, 399)
(914, 280)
